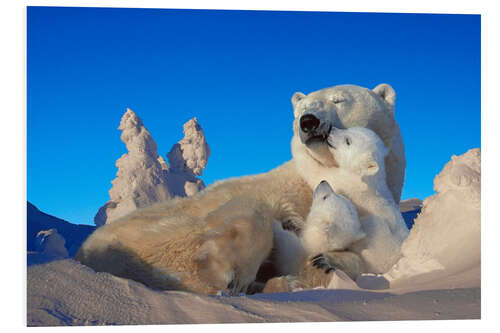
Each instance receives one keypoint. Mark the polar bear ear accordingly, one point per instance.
(297, 97)
(386, 92)
(322, 190)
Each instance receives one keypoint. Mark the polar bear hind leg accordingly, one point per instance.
(236, 246)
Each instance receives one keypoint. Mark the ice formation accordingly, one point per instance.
(190, 155)
(144, 177)
(188, 158)
(447, 233)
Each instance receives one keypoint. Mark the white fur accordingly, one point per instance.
(359, 181)
(347, 106)
(360, 154)
(332, 223)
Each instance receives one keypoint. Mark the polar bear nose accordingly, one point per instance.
(308, 123)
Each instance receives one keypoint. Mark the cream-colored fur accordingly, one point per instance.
(159, 245)
(163, 240)
(221, 252)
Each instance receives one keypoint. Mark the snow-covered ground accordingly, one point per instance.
(66, 293)
(438, 277)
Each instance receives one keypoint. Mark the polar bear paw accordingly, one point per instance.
(323, 262)
(293, 224)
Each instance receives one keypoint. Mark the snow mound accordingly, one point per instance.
(145, 178)
(36, 221)
(446, 236)
(50, 243)
(64, 292)
(409, 205)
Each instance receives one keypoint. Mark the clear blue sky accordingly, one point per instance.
(236, 71)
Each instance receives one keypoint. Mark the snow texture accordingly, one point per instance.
(50, 243)
(191, 154)
(188, 158)
(64, 292)
(73, 234)
(145, 178)
(446, 234)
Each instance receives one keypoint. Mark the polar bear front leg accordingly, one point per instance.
(319, 267)
(293, 224)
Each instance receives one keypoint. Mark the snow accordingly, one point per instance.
(50, 243)
(145, 178)
(447, 233)
(65, 292)
(73, 234)
(191, 154)
(188, 158)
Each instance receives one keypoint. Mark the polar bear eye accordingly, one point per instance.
(337, 99)
(347, 141)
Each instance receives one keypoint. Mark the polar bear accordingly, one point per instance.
(346, 106)
(286, 192)
(331, 225)
(222, 252)
(361, 177)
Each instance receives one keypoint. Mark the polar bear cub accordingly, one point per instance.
(334, 224)
(331, 225)
(360, 155)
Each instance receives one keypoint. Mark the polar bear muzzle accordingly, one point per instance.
(313, 130)
(309, 123)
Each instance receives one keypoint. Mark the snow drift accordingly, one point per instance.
(50, 243)
(446, 237)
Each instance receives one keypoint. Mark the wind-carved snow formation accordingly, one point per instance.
(188, 158)
(145, 178)
(446, 235)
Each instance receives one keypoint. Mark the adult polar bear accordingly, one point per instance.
(150, 244)
(344, 107)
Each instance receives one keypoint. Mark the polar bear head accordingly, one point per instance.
(332, 223)
(358, 150)
(343, 107)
